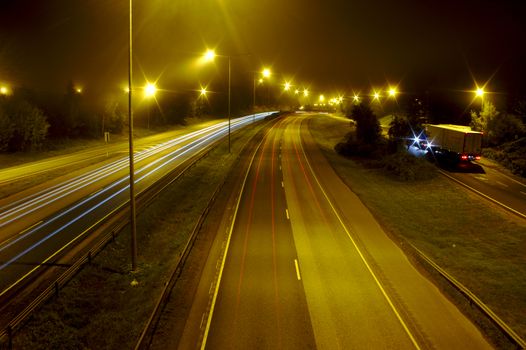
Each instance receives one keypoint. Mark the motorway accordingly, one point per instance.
(307, 266)
(40, 224)
(487, 179)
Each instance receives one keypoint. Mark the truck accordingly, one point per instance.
(456, 143)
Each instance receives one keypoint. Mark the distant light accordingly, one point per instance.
(150, 90)
(78, 90)
(203, 91)
(260, 80)
(306, 92)
(126, 89)
(286, 86)
(266, 72)
(479, 92)
(376, 95)
(356, 98)
(392, 92)
(3, 90)
(296, 91)
(321, 98)
(209, 55)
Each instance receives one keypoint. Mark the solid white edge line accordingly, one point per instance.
(216, 291)
(297, 269)
(484, 195)
(362, 257)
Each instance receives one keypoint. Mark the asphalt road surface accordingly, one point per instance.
(485, 177)
(307, 266)
(40, 224)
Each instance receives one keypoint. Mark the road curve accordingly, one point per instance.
(308, 266)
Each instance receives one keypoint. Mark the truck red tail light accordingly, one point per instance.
(464, 157)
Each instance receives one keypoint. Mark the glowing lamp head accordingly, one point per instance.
(392, 92)
(150, 90)
(376, 96)
(203, 91)
(286, 86)
(209, 55)
(3, 90)
(479, 92)
(305, 92)
(266, 72)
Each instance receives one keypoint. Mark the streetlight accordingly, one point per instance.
(209, 56)
(4, 90)
(130, 140)
(265, 73)
(479, 92)
(287, 86)
(149, 91)
(392, 92)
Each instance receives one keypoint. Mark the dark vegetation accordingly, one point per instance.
(365, 143)
(504, 133)
(34, 121)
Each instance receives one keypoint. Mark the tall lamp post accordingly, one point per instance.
(265, 74)
(209, 56)
(130, 140)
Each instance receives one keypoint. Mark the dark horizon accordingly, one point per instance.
(339, 46)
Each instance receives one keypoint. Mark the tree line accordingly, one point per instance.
(31, 121)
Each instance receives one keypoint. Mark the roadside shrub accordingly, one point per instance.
(352, 147)
(509, 155)
(406, 167)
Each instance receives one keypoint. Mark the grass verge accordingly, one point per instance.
(475, 241)
(99, 309)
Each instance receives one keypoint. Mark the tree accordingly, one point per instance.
(480, 120)
(399, 128)
(504, 128)
(30, 126)
(112, 118)
(6, 127)
(367, 125)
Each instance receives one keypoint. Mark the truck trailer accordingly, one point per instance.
(454, 142)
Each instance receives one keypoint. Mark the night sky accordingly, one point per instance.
(330, 45)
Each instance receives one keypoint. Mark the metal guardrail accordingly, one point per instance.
(511, 210)
(120, 215)
(148, 332)
(474, 300)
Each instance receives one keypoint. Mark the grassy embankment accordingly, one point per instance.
(99, 309)
(475, 241)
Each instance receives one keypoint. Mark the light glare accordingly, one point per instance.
(209, 55)
(150, 90)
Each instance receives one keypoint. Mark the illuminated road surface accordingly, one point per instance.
(508, 190)
(307, 266)
(36, 226)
